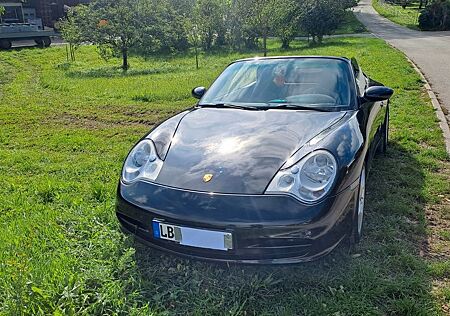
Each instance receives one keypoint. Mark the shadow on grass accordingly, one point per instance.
(167, 67)
(111, 72)
(383, 275)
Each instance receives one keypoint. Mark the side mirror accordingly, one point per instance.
(198, 92)
(378, 93)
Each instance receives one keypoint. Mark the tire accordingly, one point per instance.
(358, 216)
(39, 42)
(385, 134)
(47, 41)
(5, 44)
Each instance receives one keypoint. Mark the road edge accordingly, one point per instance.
(443, 124)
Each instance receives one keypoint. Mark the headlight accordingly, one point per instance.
(142, 162)
(309, 180)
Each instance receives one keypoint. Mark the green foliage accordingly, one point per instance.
(402, 3)
(436, 16)
(243, 32)
(321, 17)
(74, 29)
(2, 10)
(407, 16)
(124, 26)
(161, 29)
(209, 17)
(194, 38)
(147, 27)
(116, 25)
(285, 23)
(262, 18)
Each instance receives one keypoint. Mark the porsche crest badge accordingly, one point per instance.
(207, 177)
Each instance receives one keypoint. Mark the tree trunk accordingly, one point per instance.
(320, 39)
(265, 41)
(125, 58)
(196, 56)
(285, 44)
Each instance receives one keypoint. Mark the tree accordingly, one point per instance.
(436, 16)
(320, 17)
(194, 38)
(264, 19)
(114, 25)
(72, 29)
(258, 18)
(243, 30)
(162, 30)
(209, 17)
(285, 21)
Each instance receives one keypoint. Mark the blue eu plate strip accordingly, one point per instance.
(156, 232)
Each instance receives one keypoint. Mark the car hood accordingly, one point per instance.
(241, 149)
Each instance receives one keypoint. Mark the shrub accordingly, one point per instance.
(321, 17)
(436, 16)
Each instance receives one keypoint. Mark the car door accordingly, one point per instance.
(373, 112)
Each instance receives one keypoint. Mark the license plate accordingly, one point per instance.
(193, 237)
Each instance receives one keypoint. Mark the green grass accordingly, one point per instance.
(65, 130)
(351, 25)
(407, 17)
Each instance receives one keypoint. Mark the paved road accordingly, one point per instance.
(430, 51)
(56, 41)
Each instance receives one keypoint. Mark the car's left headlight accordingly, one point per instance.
(309, 180)
(142, 162)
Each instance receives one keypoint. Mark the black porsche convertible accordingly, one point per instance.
(269, 166)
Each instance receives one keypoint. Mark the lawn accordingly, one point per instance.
(408, 17)
(65, 130)
(350, 25)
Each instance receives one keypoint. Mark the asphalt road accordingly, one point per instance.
(31, 43)
(430, 51)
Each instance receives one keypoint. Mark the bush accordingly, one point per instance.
(436, 16)
(321, 17)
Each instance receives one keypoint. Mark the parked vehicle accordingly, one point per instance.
(20, 32)
(269, 167)
(22, 24)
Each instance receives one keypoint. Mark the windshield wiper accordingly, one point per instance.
(276, 105)
(230, 106)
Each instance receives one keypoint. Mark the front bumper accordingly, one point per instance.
(266, 228)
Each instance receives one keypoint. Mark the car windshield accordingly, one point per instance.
(321, 83)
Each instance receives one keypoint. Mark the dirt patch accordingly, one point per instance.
(95, 123)
(438, 217)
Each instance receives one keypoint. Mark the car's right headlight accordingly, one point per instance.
(142, 162)
(309, 180)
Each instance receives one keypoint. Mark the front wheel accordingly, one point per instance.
(358, 216)
(47, 41)
(5, 44)
(39, 42)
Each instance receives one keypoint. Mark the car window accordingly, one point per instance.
(239, 78)
(304, 81)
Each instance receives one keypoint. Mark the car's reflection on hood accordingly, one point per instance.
(241, 149)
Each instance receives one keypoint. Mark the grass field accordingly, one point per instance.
(351, 25)
(65, 130)
(408, 17)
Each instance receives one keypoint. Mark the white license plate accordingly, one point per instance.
(193, 237)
